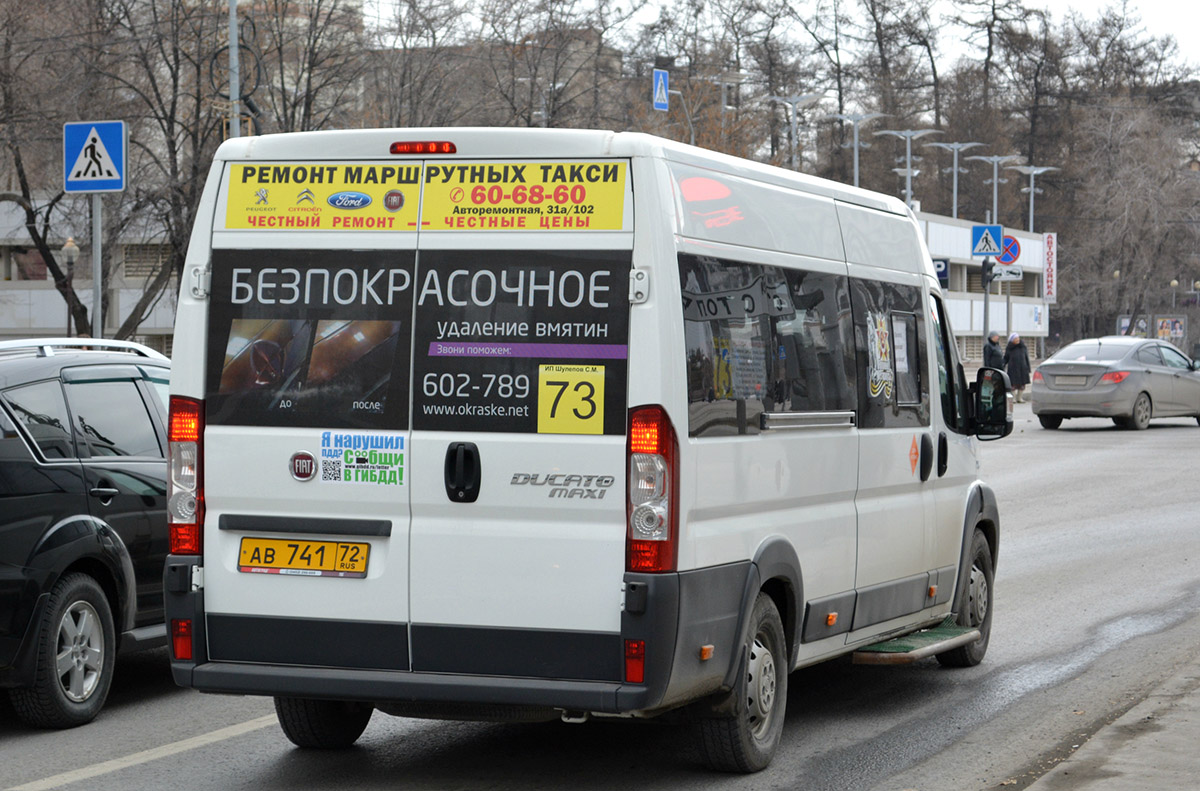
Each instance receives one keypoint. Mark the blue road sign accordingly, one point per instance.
(985, 239)
(1011, 251)
(661, 95)
(942, 265)
(94, 156)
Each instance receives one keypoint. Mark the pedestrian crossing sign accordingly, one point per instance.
(94, 156)
(985, 239)
(661, 96)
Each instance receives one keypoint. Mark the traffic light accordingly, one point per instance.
(988, 271)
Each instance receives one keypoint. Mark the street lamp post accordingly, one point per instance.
(686, 114)
(955, 147)
(996, 161)
(1174, 286)
(1031, 171)
(796, 102)
(909, 135)
(855, 119)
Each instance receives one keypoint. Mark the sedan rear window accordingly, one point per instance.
(1090, 351)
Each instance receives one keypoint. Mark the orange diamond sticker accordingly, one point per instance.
(914, 455)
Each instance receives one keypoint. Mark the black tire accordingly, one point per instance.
(746, 741)
(1142, 411)
(1050, 421)
(322, 724)
(76, 646)
(974, 606)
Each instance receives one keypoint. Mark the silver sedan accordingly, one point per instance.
(1130, 380)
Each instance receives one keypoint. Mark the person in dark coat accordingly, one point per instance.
(1016, 362)
(993, 355)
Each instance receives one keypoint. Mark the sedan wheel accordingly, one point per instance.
(1050, 421)
(1140, 420)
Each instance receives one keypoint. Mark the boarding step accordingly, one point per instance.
(918, 645)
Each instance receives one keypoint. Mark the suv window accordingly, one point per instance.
(41, 409)
(112, 419)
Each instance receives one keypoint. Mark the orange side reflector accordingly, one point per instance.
(932, 591)
(706, 653)
(831, 619)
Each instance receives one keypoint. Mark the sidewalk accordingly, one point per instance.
(1152, 747)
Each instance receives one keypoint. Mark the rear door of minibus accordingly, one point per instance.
(520, 367)
(307, 439)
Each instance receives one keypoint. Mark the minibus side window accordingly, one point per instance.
(950, 385)
(763, 339)
(893, 390)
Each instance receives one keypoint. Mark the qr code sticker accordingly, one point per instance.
(331, 469)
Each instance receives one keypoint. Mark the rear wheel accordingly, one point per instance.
(974, 607)
(322, 724)
(1140, 419)
(1050, 421)
(747, 740)
(76, 647)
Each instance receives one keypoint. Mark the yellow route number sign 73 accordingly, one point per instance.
(570, 399)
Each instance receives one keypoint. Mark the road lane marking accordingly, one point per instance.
(145, 756)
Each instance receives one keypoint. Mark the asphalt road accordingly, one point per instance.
(1097, 600)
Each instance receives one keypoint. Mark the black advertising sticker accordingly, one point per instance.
(310, 338)
(521, 341)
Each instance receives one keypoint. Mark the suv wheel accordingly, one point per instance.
(76, 646)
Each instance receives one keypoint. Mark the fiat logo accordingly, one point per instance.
(304, 466)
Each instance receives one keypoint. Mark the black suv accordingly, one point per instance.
(83, 527)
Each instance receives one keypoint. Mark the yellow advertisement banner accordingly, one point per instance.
(346, 196)
(524, 196)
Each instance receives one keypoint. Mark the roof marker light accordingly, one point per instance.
(424, 147)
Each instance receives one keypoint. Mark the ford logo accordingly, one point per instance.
(349, 200)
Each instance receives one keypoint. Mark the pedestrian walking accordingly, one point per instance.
(993, 355)
(1016, 362)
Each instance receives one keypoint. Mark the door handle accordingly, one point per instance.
(104, 492)
(926, 457)
(462, 472)
(943, 454)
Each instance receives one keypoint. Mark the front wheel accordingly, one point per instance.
(1050, 421)
(974, 607)
(323, 724)
(747, 740)
(76, 648)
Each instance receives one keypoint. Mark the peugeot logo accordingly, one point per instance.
(304, 465)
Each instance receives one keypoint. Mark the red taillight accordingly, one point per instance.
(635, 661)
(181, 638)
(1037, 376)
(185, 496)
(424, 147)
(1116, 377)
(653, 492)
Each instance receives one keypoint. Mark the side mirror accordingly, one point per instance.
(993, 404)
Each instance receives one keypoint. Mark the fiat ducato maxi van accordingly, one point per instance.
(530, 424)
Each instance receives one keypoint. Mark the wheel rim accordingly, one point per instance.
(760, 684)
(80, 654)
(977, 607)
(1141, 410)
